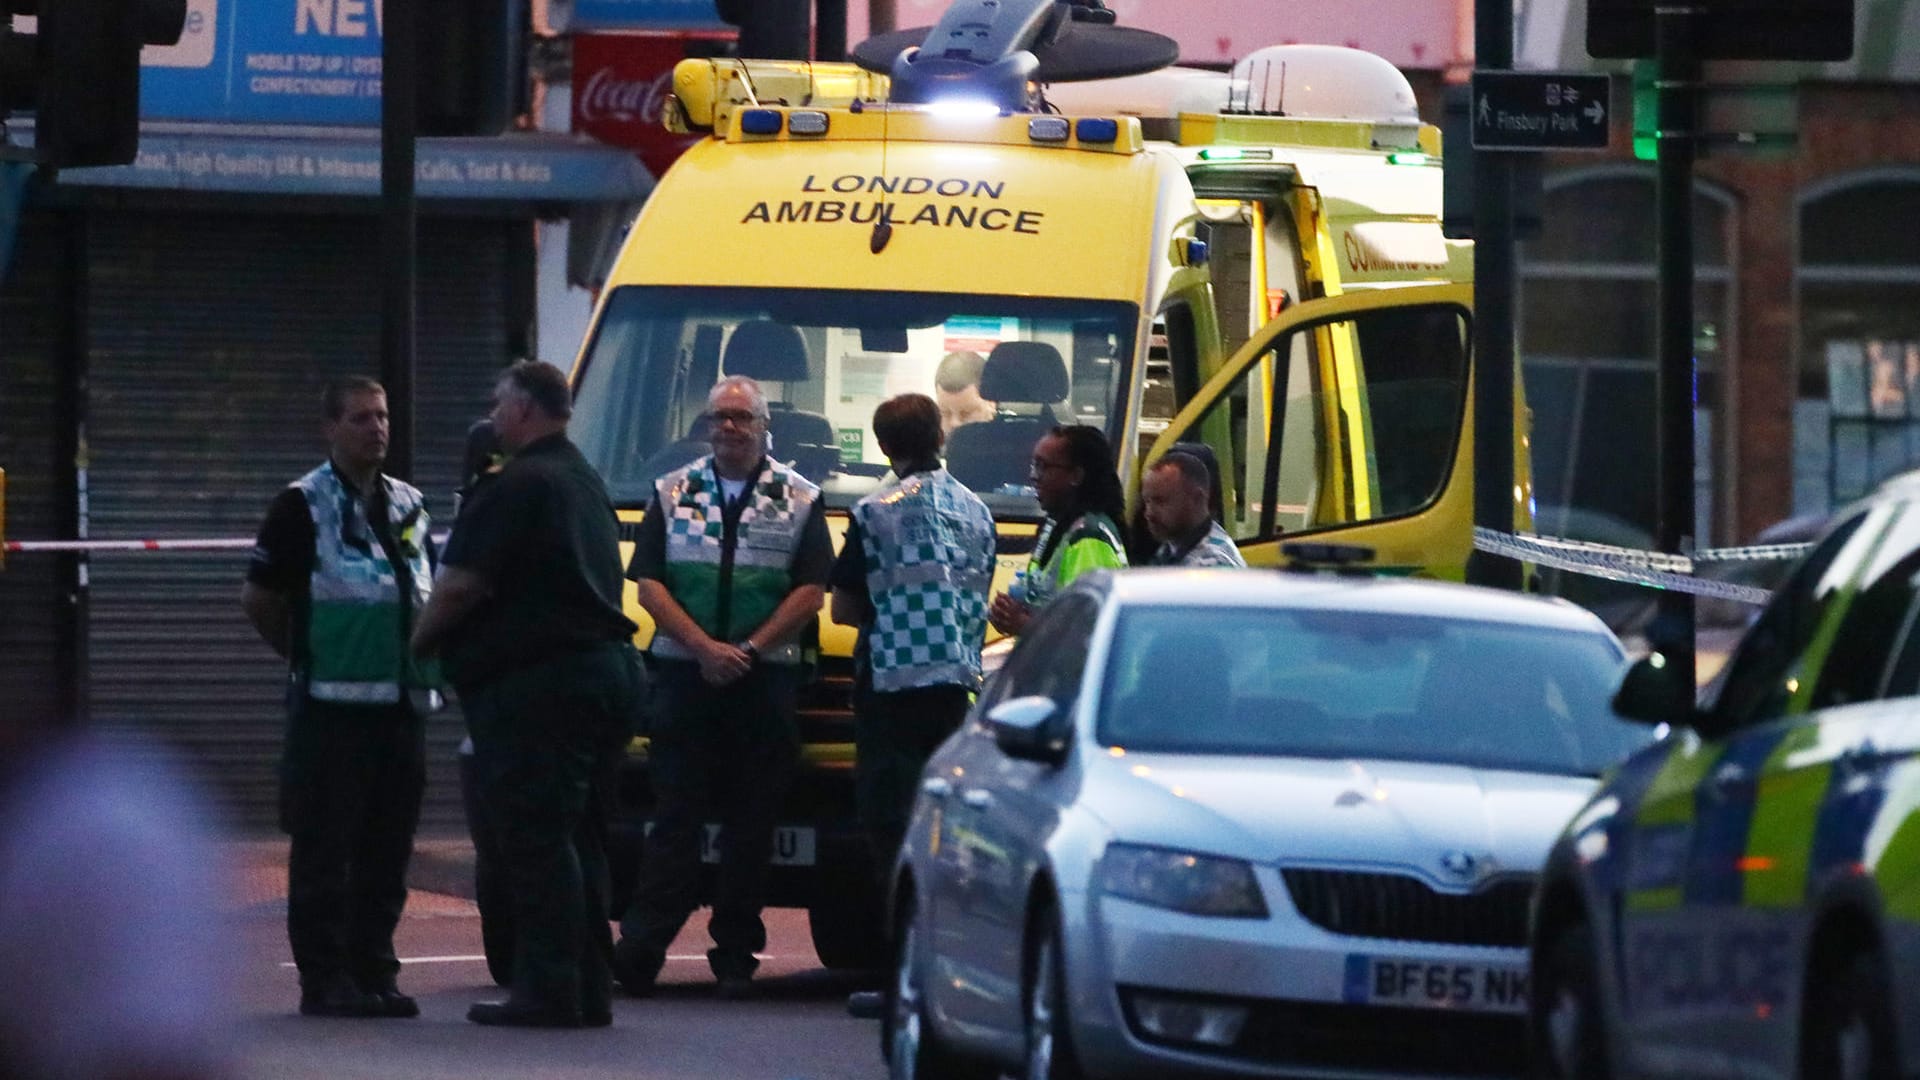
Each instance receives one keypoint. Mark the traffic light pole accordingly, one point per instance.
(1677, 75)
(399, 249)
(1493, 324)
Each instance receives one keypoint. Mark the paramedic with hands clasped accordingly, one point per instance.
(341, 569)
(913, 575)
(1074, 479)
(731, 561)
(527, 614)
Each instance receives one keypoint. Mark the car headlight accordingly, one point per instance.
(1182, 881)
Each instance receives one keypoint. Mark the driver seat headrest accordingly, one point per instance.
(1024, 372)
(766, 351)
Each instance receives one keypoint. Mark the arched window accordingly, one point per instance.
(1857, 419)
(1588, 304)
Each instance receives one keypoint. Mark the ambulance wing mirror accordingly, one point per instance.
(1652, 692)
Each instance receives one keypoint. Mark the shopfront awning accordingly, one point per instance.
(518, 167)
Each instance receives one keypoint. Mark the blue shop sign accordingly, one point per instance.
(269, 62)
(645, 15)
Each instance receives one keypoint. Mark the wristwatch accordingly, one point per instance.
(753, 651)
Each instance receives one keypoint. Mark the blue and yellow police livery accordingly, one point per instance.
(1743, 897)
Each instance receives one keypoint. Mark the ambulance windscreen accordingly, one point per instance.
(1003, 370)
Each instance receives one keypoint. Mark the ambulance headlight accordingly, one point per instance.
(807, 122)
(760, 122)
(1097, 130)
(1049, 129)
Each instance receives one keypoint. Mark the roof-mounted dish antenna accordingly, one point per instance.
(992, 51)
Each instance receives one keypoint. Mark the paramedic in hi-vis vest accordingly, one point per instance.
(913, 576)
(731, 562)
(341, 570)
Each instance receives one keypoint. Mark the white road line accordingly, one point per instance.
(482, 959)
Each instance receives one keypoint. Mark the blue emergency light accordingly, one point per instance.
(1097, 130)
(760, 121)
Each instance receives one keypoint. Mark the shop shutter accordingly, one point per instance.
(32, 605)
(210, 336)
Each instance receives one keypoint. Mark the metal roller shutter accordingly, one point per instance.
(32, 601)
(209, 338)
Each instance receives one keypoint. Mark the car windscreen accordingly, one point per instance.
(1003, 369)
(1315, 683)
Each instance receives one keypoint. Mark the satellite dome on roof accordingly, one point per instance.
(991, 50)
(1323, 81)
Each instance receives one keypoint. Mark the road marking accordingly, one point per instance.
(482, 959)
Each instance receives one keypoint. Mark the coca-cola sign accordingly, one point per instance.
(620, 85)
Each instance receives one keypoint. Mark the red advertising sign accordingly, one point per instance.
(620, 82)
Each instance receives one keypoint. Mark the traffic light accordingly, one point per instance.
(80, 73)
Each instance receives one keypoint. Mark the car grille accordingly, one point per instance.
(1404, 908)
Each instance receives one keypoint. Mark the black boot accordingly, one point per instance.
(336, 995)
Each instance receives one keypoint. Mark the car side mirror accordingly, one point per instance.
(1024, 728)
(1652, 692)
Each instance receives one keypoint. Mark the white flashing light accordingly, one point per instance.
(963, 108)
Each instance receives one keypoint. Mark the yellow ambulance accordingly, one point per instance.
(1256, 262)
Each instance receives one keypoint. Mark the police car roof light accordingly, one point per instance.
(1097, 130)
(760, 121)
(1340, 558)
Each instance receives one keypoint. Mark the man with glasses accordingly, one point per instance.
(732, 561)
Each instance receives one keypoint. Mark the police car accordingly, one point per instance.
(1742, 897)
(1247, 823)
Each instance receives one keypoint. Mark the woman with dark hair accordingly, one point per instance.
(1075, 480)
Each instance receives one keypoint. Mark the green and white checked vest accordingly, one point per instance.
(357, 628)
(929, 546)
(765, 539)
(1214, 549)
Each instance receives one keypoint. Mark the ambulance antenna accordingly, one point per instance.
(1280, 106)
(883, 217)
(746, 76)
(808, 99)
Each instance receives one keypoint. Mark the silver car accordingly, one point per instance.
(1248, 823)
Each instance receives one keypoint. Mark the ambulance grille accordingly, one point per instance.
(1405, 908)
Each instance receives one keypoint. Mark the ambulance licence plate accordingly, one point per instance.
(1424, 984)
(792, 845)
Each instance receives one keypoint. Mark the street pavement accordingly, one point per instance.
(797, 1029)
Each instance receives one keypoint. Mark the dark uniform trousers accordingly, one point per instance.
(351, 779)
(723, 754)
(547, 742)
(895, 733)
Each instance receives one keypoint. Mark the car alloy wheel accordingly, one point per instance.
(904, 1030)
(912, 1047)
(1049, 1043)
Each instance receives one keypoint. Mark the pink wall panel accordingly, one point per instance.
(1419, 34)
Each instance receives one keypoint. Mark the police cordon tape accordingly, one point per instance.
(1653, 569)
(88, 547)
